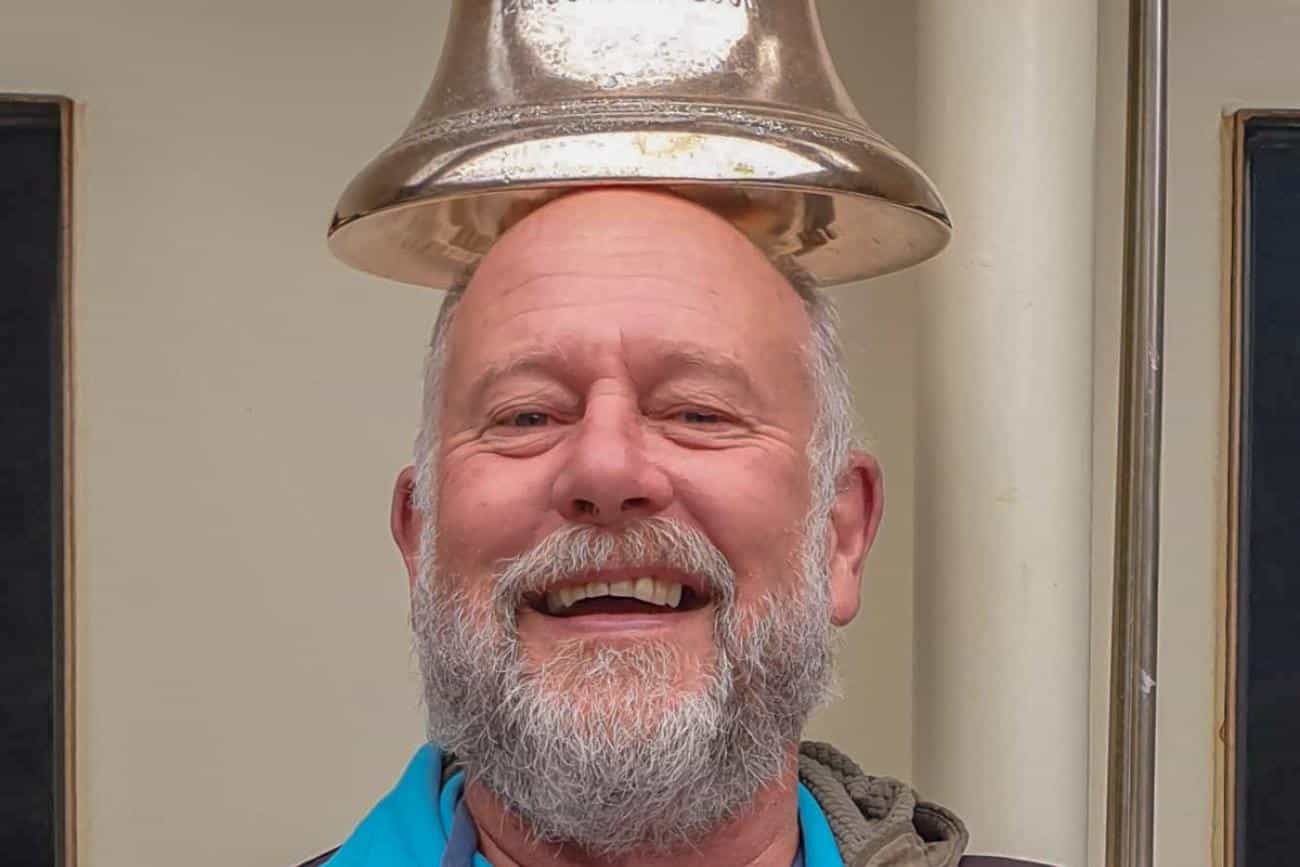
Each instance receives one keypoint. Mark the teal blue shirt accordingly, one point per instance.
(416, 825)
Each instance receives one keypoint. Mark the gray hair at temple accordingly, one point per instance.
(832, 437)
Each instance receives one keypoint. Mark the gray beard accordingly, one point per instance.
(600, 747)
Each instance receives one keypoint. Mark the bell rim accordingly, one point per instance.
(938, 224)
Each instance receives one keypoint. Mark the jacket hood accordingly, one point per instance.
(878, 821)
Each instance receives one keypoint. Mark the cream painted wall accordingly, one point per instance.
(244, 686)
(1224, 55)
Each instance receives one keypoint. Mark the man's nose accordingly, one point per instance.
(609, 479)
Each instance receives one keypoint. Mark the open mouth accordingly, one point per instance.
(633, 595)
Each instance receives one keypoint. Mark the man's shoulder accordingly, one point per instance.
(320, 860)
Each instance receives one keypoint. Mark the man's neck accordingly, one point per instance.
(765, 834)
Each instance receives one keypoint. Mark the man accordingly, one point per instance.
(636, 514)
(635, 518)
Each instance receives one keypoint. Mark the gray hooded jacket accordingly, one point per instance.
(879, 822)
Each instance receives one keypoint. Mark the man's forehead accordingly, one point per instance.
(652, 333)
(643, 275)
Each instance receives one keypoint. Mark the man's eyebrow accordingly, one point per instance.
(720, 366)
(536, 358)
(675, 358)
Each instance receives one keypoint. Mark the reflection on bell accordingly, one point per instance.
(731, 103)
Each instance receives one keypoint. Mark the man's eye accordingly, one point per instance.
(528, 419)
(696, 416)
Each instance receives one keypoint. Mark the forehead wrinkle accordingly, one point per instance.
(505, 289)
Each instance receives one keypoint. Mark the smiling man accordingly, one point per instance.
(636, 515)
(635, 518)
(631, 382)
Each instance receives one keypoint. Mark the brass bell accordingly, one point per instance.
(731, 103)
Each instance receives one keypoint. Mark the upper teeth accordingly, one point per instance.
(647, 589)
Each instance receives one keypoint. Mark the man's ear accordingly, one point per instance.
(407, 523)
(855, 517)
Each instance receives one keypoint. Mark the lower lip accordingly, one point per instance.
(617, 624)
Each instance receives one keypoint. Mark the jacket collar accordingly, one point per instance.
(846, 818)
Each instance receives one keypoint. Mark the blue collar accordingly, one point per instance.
(419, 824)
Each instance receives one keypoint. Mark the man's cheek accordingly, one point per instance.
(762, 560)
(479, 493)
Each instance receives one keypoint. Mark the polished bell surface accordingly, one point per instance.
(731, 103)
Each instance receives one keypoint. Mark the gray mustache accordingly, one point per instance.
(575, 549)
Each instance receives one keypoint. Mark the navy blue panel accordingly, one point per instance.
(31, 498)
(1269, 664)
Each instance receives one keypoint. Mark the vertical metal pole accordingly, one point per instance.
(1130, 805)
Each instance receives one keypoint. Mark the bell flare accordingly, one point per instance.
(735, 105)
